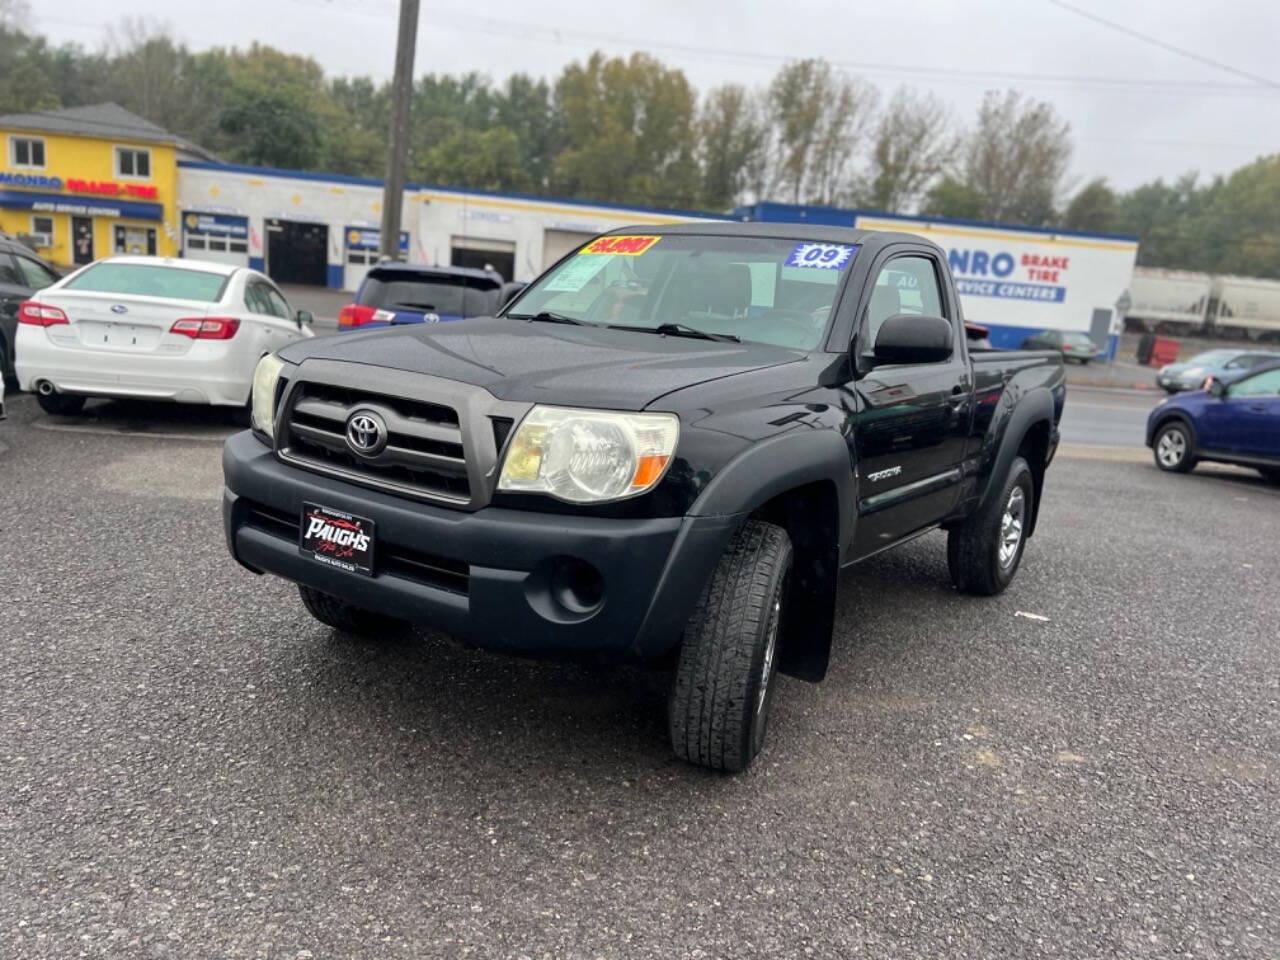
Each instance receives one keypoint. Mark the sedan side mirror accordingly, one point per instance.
(909, 338)
(1216, 387)
(304, 318)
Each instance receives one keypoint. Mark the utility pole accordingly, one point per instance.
(398, 135)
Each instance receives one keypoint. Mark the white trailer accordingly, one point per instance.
(1169, 301)
(1247, 307)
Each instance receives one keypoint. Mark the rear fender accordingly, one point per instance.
(1033, 409)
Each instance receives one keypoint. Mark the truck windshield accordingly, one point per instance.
(757, 289)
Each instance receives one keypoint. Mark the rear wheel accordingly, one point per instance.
(60, 404)
(984, 551)
(1173, 449)
(722, 692)
(6, 365)
(348, 618)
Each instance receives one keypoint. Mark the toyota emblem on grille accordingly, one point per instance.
(366, 433)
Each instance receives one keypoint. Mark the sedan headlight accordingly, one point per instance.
(265, 377)
(588, 456)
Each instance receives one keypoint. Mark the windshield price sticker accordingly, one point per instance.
(623, 246)
(822, 256)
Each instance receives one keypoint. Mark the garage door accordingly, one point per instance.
(472, 252)
(556, 243)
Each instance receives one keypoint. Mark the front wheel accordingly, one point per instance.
(984, 551)
(60, 404)
(1172, 448)
(718, 709)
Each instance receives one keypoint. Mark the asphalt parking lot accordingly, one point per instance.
(192, 767)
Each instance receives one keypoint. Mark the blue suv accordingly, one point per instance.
(1232, 421)
(394, 293)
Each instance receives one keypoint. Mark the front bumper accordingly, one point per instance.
(493, 575)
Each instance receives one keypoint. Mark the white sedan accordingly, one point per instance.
(151, 328)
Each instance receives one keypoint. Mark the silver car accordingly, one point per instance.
(1222, 362)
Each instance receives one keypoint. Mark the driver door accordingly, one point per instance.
(912, 420)
(1253, 415)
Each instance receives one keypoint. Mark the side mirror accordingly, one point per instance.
(304, 318)
(908, 338)
(1216, 387)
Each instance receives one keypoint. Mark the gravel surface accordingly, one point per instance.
(191, 767)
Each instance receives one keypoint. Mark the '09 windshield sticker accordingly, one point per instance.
(623, 246)
(821, 256)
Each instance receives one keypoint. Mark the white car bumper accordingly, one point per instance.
(212, 371)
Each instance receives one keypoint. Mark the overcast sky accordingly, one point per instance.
(1166, 115)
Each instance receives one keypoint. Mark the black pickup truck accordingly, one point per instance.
(666, 449)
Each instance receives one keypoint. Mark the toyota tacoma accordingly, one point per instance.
(665, 449)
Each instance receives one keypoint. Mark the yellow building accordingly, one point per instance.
(87, 182)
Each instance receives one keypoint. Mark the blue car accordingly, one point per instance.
(1232, 421)
(394, 293)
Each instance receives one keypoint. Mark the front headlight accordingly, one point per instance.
(588, 456)
(265, 377)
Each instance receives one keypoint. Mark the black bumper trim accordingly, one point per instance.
(653, 569)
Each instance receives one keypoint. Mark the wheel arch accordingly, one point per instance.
(1027, 432)
(803, 482)
(1181, 417)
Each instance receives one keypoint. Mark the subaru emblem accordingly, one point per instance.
(366, 433)
(119, 308)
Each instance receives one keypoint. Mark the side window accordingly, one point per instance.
(276, 300)
(904, 285)
(1266, 384)
(36, 275)
(253, 298)
(9, 271)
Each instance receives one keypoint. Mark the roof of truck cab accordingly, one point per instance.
(783, 231)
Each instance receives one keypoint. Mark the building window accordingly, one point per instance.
(137, 240)
(26, 152)
(133, 163)
(42, 231)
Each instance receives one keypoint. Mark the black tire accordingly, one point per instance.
(974, 555)
(6, 366)
(240, 417)
(1173, 449)
(722, 692)
(60, 404)
(346, 618)
(1270, 474)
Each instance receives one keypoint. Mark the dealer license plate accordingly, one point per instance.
(337, 539)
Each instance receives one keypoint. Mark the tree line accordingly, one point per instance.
(633, 130)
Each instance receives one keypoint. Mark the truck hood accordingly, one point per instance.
(545, 362)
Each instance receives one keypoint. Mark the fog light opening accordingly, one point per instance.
(577, 586)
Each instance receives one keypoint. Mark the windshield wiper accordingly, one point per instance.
(680, 330)
(419, 306)
(546, 316)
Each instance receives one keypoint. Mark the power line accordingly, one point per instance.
(1155, 42)
(542, 33)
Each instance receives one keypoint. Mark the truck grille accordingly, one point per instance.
(424, 455)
